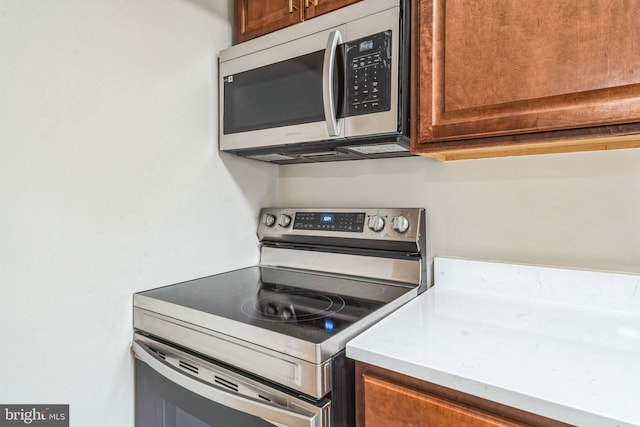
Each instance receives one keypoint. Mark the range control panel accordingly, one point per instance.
(384, 224)
(368, 63)
(339, 221)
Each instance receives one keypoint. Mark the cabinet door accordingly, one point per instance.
(318, 7)
(490, 68)
(254, 18)
(390, 404)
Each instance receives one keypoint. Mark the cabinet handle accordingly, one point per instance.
(292, 7)
(307, 3)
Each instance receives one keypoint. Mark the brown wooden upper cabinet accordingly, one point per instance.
(254, 18)
(518, 77)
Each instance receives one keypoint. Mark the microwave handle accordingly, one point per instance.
(328, 97)
(261, 410)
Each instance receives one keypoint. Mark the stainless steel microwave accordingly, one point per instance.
(335, 87)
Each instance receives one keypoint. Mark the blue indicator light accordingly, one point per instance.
(328, 325)
(327, 218)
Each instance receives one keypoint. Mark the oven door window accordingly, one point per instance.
(162, 403)
(282, 94)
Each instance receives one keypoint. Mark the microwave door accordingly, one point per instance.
(276, 96)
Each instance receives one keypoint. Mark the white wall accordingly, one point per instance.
(110, 183)
(578, 210)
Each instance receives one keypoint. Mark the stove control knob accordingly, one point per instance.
(284, 220)
(400, 223)
(271, 310)
(376, 223)
(269, 220)
(287, 314)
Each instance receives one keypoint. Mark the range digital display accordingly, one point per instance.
(330, 221)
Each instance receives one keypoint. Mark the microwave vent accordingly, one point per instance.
(275, 157)
(331, 156)
(377, 149)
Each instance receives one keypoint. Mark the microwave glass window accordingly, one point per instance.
(282, 94)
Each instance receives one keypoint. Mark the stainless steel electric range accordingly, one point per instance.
(264, 345)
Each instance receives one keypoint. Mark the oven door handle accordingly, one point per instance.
(328, 97)
(267, 412)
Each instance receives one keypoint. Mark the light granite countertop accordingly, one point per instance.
(557, 342)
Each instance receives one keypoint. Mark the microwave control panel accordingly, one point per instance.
(368, 76)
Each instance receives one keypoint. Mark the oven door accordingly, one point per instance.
(177, 389)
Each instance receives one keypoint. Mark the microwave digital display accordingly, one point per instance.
(366, 45)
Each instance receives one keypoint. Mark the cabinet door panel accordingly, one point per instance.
(318, 7)
(390, 404)
(254, 18)
(493, 67)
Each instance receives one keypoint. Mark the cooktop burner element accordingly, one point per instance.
(292, 305)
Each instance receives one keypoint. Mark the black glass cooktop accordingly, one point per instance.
(308, 306)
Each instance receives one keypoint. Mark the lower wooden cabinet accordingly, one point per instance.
(385, 398)
(390, 404)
